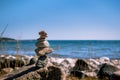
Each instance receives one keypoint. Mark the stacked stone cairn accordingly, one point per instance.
(43, 48)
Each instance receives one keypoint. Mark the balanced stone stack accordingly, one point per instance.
(43, 48)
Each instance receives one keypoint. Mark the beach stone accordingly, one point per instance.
(44, 51)
(32, 61)
(55, 73)
(93, 61)
(104, 60)
(90, 74)
(43, 34)
(81, 65)
(10, 57)
(51, 73)
(42, 61)
(42, 44)
(71, 62)
(115, 62)
(7, 70)
(115, 76)
(106, 71)
(30, 76)
(78, 74)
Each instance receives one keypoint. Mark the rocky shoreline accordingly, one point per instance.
(58, 68)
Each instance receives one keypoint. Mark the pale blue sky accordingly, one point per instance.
(61, 19)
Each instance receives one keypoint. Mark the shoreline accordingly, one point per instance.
(67, 64)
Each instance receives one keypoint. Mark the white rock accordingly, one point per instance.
(90, 74)
(10, 57)
(118, 66)
(104, 60)
(27, 57)
(8, 70)
(2, 55)
(115, 62)
(94, 61)
(57, 60)
(71, 61)
(117, 72)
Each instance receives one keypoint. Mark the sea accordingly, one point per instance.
(65, 48)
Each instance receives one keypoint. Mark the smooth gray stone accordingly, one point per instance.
(42, 61)
(42, 44)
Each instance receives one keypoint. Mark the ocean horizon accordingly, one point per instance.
(66, 48)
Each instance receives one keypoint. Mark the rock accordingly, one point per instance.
(51, 73)
(104, 60)
(78, 74)
(81, 65)
(65, 63)
(55, 73)
(30, 76)
(65, 66)
(16, 68)
(43, 51)
(10, 57)
(71, 62)
(115, 62)
(56, 61)
(7, 70)
(42, 44)
(94, 64)
(94, 61)
(2, 56)
(106, 71)
(42, 34)
(32, 61)
(41, 62)
(115, 76)
(90, 74)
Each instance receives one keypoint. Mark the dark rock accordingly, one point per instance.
(51, 73)
(55, 73)
(81, 65)
(106, 71)
(78, 74)
(42, 61)
(32, 61)
(115, 76)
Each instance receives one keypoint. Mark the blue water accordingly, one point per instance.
(66, 48)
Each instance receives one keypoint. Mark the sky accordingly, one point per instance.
(61, 19)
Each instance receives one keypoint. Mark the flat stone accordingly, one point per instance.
(43, 44)
(44, 51)
(7, 70)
